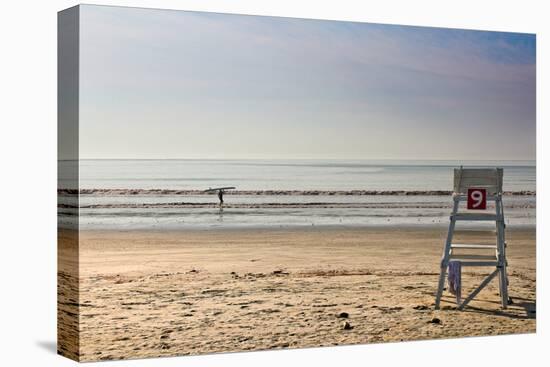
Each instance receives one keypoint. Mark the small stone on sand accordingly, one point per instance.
(421, 307)
(347, 326)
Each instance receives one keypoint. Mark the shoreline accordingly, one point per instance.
(190, 229)
(359, 192)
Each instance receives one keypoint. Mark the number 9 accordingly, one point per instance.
(477, 196)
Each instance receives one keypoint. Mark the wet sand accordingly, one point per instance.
(147, 294)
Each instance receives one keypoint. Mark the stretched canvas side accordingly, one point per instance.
(68, 338)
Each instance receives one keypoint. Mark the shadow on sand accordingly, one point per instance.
(529, 309)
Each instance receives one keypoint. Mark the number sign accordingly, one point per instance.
(477, 199)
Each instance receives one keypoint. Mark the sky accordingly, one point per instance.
(164, 84)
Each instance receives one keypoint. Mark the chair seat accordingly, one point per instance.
(476, 216)
(475, 260)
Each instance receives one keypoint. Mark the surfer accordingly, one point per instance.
(220, 196)
(220, 191)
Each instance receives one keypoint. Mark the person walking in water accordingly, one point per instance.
(220, 191)
(220, 196)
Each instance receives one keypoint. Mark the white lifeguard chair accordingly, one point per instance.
(480, 184)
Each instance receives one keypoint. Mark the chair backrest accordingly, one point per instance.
(487, 178)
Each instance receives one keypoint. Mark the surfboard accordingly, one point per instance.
(220, 188)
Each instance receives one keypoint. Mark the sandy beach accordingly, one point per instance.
(158, 293)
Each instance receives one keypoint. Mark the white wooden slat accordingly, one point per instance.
(472, 246)
(473, 257)
(479, 263)
(478, 181)
(483, 232)
(480, 172)
(464, 197)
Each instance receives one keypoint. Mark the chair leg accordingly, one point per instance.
(445, 257)
(440, 286)
(503, 278)
(503, 292)
(444, 262)
(499, 286)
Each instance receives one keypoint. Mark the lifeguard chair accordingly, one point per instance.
(476, 186)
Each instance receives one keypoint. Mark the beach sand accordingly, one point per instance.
(148, 294)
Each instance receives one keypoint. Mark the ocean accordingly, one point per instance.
(158, 194)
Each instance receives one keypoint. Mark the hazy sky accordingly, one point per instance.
(174, 84)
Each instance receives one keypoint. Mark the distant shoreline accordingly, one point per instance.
(124, 192)
(439, 229)
(273, 205)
